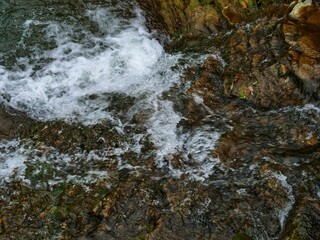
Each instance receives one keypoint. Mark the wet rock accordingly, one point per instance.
(284, 152)
(304, 221)
(180, 16)
(302, 35)
(179, 227)
(68, 137)
(231, 15)
(258, 70)
(72, 137)
(12, 123)
(257, 136)
(300, 8)
(65, 210)
(132, 210)
(199, 16)
(263, 67)
(204, 94)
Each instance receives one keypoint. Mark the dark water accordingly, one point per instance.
(93, 77)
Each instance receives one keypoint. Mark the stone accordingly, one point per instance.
(203, 17)
(12, 123)
(299, 9)
(231, 15)
(303, 36)
(304, 222)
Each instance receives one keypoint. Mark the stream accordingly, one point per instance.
(113, 150)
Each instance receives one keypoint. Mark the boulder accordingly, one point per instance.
(199, 16)
(302, 34)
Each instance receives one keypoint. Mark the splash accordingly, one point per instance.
(72, 80)
(77, 71)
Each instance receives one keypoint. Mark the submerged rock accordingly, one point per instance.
(265, 181)
(304, 221)
(12, 123)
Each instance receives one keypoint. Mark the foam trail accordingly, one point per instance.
(22, 160)
(163, 130)
(291, 200)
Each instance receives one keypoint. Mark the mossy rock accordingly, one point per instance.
(242, 236)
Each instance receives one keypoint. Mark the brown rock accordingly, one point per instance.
(12, 122)
(302, 9)
(178, 17)
(202, 19)
(302, 34)
(231, 15)
(304, 223)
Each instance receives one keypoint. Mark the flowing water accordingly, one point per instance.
(70, 67)
(95, 63)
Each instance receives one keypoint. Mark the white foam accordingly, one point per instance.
(11, 160)
(198, 99)
(17, 158)
(283, 214)
(133, 63)
(73, 81)
(197, 147)
(242, 191)
(162, 127)
(200, 143)
(310, 107)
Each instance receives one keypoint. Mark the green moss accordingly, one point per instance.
(241, 236)
(253, 7)
(206, 1)
(242, 93)
(142, 236)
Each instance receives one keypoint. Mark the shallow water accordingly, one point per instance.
(95, 63)
(67, 67)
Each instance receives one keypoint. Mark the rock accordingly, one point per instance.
(231, 15)
(178, 16)
(12, 123)
(257, 136)
(205, 92)
(263, 68)
(300, 9)
(199, 16)
(258, 70)
(202, 18)
(302, 35)
(304, 221)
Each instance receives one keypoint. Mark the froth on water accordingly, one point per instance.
(59, 78)
(71, 66)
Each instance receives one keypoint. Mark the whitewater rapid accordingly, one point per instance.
(73, 73)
